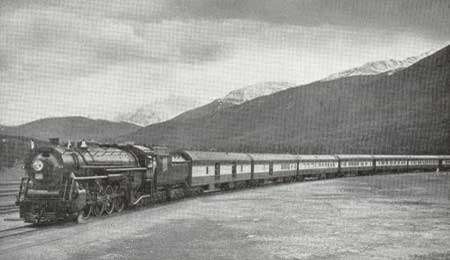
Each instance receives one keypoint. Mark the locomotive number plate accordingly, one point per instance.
(39, 176)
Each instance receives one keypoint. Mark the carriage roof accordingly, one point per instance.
(272, 157)
(200, 156)
(354, 156)
(314, 157)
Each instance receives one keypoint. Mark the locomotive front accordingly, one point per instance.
(43, 193)
(64, 181)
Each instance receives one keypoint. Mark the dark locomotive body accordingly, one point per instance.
(93, 179)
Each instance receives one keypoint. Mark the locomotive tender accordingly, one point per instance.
(97, 179)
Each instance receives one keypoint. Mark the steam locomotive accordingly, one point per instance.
(90, 179)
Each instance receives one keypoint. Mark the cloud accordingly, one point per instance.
(105, 57)
(37, 37)
(430, 18)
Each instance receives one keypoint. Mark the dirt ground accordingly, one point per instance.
(12, 174)
(375, 217)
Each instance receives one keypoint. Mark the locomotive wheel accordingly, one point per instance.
(98, 209)
(99, 206)
(119, 202)
(85, 214)
(109, 201)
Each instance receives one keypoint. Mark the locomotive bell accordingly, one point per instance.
(83, 145)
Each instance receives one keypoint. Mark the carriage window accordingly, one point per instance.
(217, 168)
(285, 166)
(242, 168)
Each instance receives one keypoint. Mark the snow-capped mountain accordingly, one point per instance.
(377, 67)
(162, 110)
(247, 93)
(234, 98)
(142, 116)
(158, 110)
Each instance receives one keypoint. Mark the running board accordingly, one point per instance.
(212, 191)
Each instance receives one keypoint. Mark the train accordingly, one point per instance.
(90, 179)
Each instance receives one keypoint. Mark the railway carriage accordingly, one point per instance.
(423, 162)
(322, 166)
(211, 170)
(391, 163)
(444, 162)
(355, 164)
(274, 167)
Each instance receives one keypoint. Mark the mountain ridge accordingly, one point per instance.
(405, 112)
(235, 97)
(377, 67)
(70, 128)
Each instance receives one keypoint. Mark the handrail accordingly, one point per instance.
(102, 167)
(126, 169)
(21, 189)
(140, 198)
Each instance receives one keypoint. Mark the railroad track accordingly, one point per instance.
(8, 193)
(16, 231)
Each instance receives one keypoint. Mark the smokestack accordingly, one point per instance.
(54, 141)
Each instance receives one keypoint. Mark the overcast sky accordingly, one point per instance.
(101, 58)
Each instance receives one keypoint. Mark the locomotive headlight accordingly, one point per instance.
(37, 165)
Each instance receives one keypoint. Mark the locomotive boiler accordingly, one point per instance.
(92, 179)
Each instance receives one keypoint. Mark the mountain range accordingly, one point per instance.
(400, 108)
(163, 110)
(70, 128)
(405, 111)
